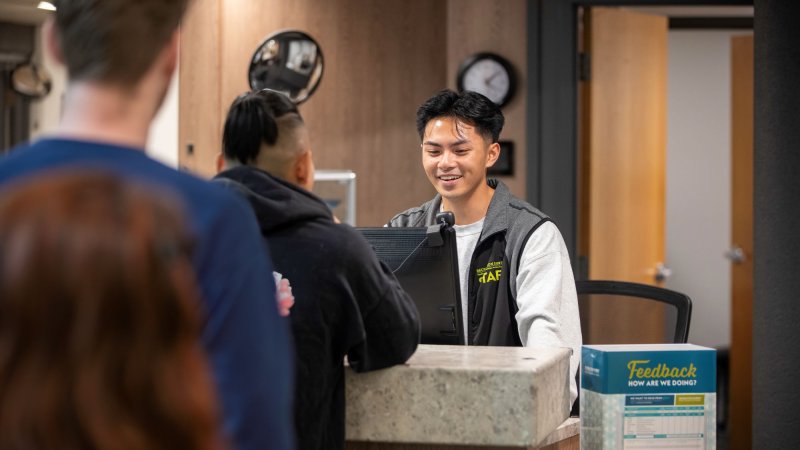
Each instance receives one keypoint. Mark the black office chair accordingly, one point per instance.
(677, 306)
(608, 290)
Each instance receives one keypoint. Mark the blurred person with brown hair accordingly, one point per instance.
(99, 320)
(120, 56)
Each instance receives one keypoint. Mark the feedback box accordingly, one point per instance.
(648, 396)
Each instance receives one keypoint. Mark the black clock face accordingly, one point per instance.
(487, 74)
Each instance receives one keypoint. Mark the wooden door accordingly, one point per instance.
(740, 402)
(623, 146)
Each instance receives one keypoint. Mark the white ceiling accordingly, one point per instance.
(22, 11)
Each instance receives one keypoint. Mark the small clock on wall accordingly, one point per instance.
(488, 74)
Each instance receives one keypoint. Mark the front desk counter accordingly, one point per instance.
(457, 397)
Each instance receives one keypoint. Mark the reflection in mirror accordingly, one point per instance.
(289, 62)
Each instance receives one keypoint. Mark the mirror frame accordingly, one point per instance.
(286, 35)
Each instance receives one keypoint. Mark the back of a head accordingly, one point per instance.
(468, 107)
(99, 320)
(262, 121)
(114, 41)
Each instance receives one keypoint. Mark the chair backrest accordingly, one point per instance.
(681, 303)
(597, 291)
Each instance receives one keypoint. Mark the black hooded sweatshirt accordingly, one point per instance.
(346, 301)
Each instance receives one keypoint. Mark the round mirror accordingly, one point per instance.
(31, 81)
(289, 62)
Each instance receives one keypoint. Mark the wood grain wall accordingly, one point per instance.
(199, 107)
(382, 59)
(498, 26)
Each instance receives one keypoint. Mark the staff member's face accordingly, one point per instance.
(455, 157)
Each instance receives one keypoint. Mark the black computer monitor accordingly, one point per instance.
(425, 262)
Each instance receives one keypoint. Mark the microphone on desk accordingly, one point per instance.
(444, 221)
(446, 218)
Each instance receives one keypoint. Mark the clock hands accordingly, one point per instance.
(488, 74)
(491, 77)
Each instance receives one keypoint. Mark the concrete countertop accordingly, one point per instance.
(503, 396)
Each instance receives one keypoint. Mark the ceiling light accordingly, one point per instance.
(47, 6)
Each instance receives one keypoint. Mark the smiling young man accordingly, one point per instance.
(517, 286)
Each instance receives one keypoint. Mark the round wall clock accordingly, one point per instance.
(488, 74)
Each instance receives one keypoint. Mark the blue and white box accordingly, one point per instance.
(648, 396)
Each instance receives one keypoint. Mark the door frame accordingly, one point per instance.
(552, 105)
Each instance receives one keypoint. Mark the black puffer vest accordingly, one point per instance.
(492, 286)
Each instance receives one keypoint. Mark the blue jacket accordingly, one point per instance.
(246, 340)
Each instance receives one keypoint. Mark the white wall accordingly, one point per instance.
(162, 144)
(46, 112)
(698, 214)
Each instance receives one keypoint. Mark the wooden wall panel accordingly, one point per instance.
(200, 123)
(498, 26)
(381, 61)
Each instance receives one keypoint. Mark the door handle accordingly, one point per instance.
(736, 254)
(662, 272)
